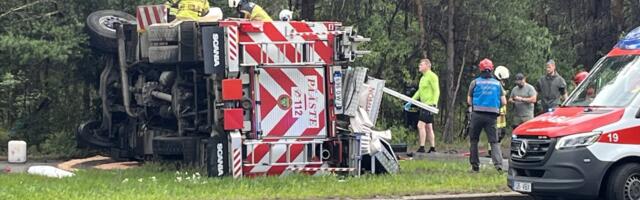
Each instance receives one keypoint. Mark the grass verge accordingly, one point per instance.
(155, 181)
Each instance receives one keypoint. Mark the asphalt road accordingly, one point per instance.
(491, 196)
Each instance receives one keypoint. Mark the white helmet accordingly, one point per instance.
(501, 72)
(286, 15)
(234, 3)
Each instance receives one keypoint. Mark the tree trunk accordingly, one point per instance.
(423, 31)
(448, 75)
(308, 10)
(617, 15)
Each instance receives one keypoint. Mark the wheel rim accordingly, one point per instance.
(632, 187)
(109, 21)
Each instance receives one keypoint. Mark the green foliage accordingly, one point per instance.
(58, 144)
(48, 74)
(4, 141)
(156, 182)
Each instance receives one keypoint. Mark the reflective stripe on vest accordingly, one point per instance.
(486, 95)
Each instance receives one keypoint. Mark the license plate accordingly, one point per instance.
(521, 186)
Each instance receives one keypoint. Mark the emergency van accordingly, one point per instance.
(589, 147)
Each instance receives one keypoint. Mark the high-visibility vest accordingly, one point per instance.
(502, 119)
(254, 12)
(486, 95)
(188, 9)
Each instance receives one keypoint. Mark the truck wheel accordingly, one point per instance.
(624, 182)
(102, 33)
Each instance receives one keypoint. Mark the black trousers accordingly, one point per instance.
(487, 122)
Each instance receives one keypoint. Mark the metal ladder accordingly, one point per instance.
(309, 146)
(307, 56)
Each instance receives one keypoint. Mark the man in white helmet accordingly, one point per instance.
(250, 10)
(501, 73)
(286, 15)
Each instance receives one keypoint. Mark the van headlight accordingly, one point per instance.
(578, 140)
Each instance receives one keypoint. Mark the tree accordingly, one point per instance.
(308, 9)
(448, 75)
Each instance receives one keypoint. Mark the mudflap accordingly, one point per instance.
(385, 161)
(218, 155)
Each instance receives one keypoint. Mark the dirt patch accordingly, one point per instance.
(69, 165)
(97, 162)
(118, 165)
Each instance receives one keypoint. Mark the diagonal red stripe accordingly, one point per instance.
(283, 125)
(236, 163)
(260, 151)
(274, 35)
(253, 49)
(233, 45)
(156, 14)
(232, 38)
(281, 78)
(268, 102)
(146, 13)
(234, 30)
(323, 50)
(139, 18)
(296, 150)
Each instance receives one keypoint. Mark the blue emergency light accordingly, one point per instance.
(631, 41)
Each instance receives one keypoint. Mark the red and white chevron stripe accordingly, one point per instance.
(292, 104)
(320, 33)
(232, 36)
(237, 163)
(150, 14)
(322, 169)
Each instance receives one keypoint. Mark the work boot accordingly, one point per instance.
(475, 169)
(432, 149)
(421, 149)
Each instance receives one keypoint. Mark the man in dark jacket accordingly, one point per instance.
(485, 96)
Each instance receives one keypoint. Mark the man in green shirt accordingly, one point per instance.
(428, 93)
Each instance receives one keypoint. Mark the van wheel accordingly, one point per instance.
(624, 182)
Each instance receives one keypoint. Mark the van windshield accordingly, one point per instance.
(614, 82)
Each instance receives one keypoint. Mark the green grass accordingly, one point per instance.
(416, 177)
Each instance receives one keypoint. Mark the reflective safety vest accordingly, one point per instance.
(486, 95)
(502, 119)
(254, 12)
(188, 9)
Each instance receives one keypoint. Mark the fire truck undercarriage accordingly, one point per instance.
(243, 98)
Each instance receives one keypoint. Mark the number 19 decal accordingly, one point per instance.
(613, 137)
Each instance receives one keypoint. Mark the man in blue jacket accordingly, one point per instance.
(485, 96)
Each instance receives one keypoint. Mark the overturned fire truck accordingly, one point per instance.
(243, 98)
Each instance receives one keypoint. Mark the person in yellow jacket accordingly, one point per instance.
(187, 9)
(501, 121)
(250, 10)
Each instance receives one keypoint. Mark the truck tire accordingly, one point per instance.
(624, 182)
(89, 134)
(102, 33)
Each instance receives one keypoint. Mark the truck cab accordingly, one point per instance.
(589, 147)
